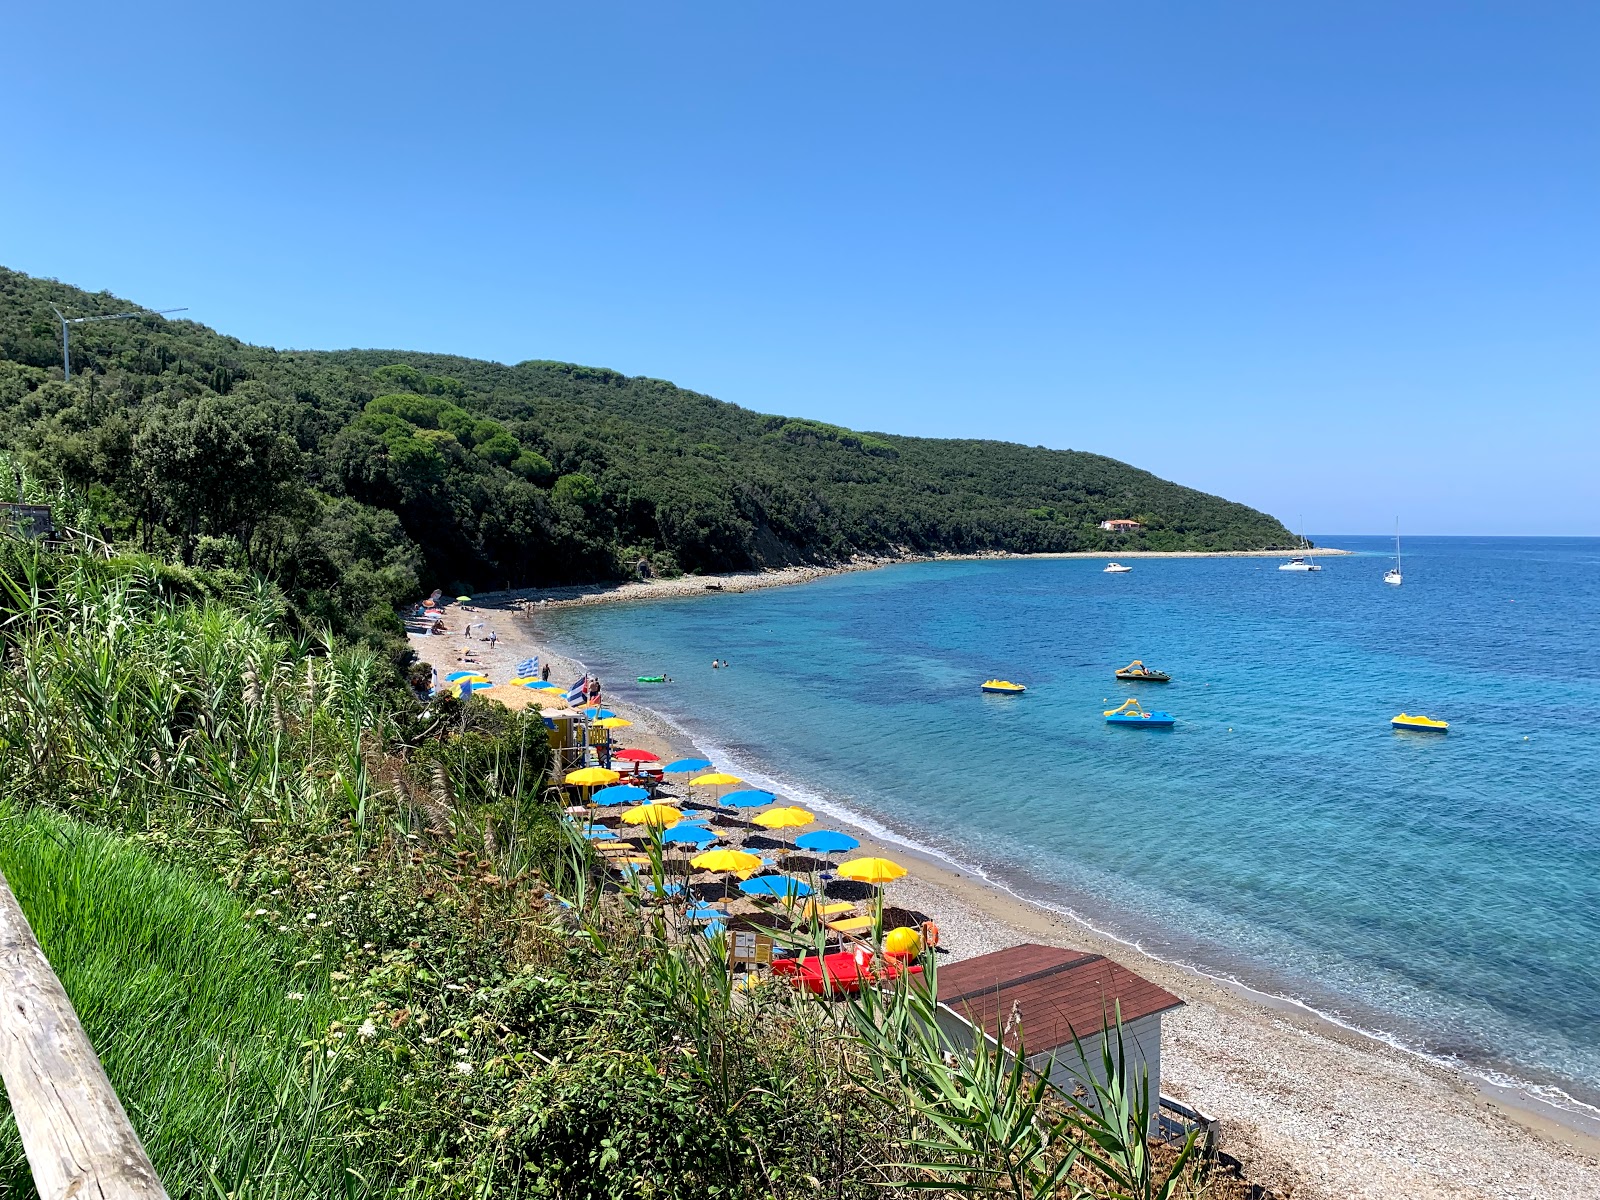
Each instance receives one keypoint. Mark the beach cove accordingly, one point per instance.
(1308, 1105)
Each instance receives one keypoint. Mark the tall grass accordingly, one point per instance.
(211, 1038)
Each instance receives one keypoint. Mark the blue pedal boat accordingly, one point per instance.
(1131, 712)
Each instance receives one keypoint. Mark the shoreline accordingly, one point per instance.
(632, 590)
(1312, 1106)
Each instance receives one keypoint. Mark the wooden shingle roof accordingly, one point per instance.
(1053, 993)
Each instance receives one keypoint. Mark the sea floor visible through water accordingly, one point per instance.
(1436, 890)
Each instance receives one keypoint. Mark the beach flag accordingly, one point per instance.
(578, 692)
(528, 666)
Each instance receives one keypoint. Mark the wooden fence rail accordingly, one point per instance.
(79, 1141)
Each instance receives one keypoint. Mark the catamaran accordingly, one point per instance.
(1393, 574)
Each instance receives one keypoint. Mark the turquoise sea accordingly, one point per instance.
(1443, 891)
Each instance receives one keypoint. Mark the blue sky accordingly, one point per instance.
(1338, 260)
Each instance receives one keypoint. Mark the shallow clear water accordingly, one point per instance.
(1441, 889)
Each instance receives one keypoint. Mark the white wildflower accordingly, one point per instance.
(283, 929)
(310, 916)
(368, 1030)
(261, 912)
(295, 996)
(464, 1068)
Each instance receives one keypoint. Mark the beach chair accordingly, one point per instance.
(850, 924)
(832, 909)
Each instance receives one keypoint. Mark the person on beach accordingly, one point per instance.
(544, 673)
(493, 639)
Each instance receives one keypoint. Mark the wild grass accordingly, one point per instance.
(208, 1032)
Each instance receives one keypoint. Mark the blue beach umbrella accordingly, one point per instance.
(662, 889)
(619, 793)
(455, 675)
(775, 885)
(705, 912)
(826, 841)
(748, 798)
(686, 764)
(695, 834)
(598, 714)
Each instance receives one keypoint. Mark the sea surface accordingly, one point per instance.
(1442, 891)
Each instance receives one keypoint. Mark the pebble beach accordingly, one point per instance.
(1312, 1109)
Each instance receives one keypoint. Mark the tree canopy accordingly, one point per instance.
(359, 478)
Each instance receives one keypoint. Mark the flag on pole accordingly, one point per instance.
(578, 692)
(528, 666)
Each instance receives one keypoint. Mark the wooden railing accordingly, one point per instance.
(78, 1139)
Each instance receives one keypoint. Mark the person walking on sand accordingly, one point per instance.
(544, 673)
(493, 639)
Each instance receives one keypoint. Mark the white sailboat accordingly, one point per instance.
(1302, 562)
(1392, 575)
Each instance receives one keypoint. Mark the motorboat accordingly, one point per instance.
(1002, 687)
(1421, 723)
(1131, 712)
(1137, 672)
(1392, 575)
(1116, 569)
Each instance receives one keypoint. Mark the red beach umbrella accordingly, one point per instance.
(636, 756)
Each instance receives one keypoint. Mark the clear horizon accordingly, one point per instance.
(1338, 263)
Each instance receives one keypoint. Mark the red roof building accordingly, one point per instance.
(1043, 997)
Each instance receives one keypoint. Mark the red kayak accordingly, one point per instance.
(839, 972)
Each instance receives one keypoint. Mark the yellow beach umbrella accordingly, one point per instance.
(723, 859)
(714, 779)
(613, 722)
(783, 818)
(659, 816)
(871, 870)
(524, 680)
(592, 776)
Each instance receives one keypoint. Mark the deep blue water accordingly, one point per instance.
(1441, 889)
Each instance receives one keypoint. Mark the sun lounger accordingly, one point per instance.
(850, 924)
(813, 909)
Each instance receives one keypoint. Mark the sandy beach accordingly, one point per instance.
(1312, 1109)
(683, 586)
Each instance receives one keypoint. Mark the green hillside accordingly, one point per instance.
(356, 477)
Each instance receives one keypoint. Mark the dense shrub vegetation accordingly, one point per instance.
(355, 479)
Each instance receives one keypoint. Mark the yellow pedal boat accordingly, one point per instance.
(1427, 724)
(1003, 687)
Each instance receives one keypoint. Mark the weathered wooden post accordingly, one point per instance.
(78, 1139)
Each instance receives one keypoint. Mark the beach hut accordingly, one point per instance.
(1046, 995)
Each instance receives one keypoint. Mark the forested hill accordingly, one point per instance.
(356, 477)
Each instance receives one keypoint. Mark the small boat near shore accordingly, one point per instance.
(1131, 712)
(1137, 672)
(1115, 569)
(1002, 687)
(1302, 562)
(1419, 722)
